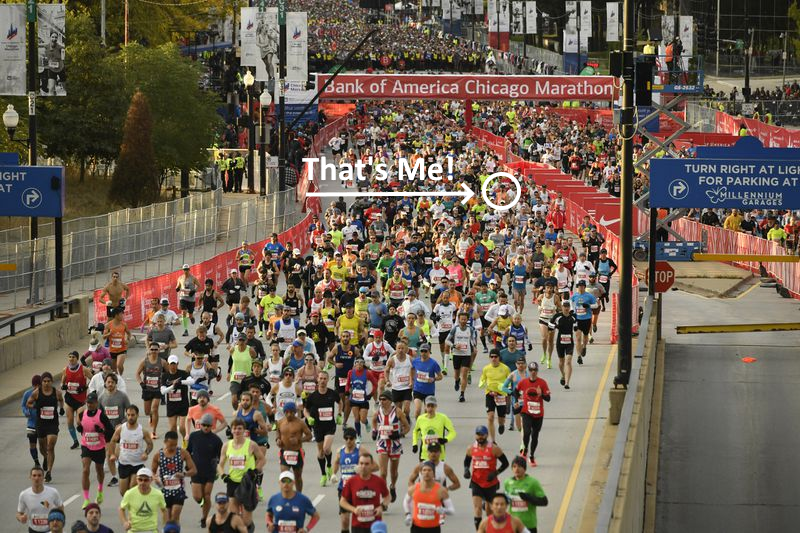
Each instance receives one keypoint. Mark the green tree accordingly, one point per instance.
(184, 115)
(85, 124)
(135, 181)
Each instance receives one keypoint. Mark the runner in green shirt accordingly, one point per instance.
(139, 509)
(525, 493)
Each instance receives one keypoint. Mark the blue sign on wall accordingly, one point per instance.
(32, 191)
(746, 176)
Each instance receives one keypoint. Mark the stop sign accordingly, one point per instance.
(665, 276)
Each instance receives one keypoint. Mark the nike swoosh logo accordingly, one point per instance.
(604, 222)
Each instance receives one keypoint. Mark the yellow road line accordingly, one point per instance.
(749, 258)
(748, 291)
(738, 328)
(587, 434)
(8, 267)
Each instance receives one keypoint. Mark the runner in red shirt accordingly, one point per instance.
(533, 392)
(500, 520)
(364, 495)
(482, 456)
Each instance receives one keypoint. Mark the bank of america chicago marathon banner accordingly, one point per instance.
(52, 43)
(12, 50)
(51, 46)
(260, 37)
(467, 87)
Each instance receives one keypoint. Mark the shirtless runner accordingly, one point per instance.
(112, 294)
(292, 433)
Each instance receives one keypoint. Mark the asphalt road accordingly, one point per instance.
(729, 428)
(568, 445)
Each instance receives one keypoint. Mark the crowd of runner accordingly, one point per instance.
(390, 309)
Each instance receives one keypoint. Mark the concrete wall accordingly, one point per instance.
(47, 337)
(628, 514)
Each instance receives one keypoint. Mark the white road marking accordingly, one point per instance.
(314, 502)
(222, 397)
(71, 499)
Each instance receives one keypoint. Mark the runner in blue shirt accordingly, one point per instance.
(287, 510)
(582, 303)
(426, 372)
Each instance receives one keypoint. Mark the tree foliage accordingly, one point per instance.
(155, 22)
(87, 122)
(185, 116)
(136, 177)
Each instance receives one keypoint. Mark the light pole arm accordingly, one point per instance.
(333, 76)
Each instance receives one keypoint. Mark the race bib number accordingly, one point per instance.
(500, 400)
(519, 280)
(171, 483)
(97, 366)
(430, 439)
(193, 394)
(286, 526)
(53, 64)
(325, 414)
(603, 278)
(423, 377)
(565, 339)
(358, 395)
(480, 464)
(342, 382)
(72, 387)
(593, 248)
(237, 462)
(174, 396)
(385, 431)
(239, 376)
(426, 511)
(39, 520)
(185, 293)
(151, 381)
(403, 380)
(91, 438)
(461, 346)
(132, 446)
(112, 411)
(535, 408)
(309, 386)
(116, 342)
(47, 413)
(290, 457)
(518, 505)
(366, 513)
(537, 265)
(396, 295)
(562, 284)
(547, 313)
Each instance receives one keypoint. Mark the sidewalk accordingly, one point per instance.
(705, 278)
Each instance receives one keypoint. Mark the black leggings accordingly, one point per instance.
(530, 432)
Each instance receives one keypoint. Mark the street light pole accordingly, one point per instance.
(624, 319)
(264, 100)
(785, 37)
(249, 80)
(282, 152)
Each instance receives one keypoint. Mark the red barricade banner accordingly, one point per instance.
(466, 86)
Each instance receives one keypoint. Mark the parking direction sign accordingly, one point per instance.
(746, 176)
(31, 191)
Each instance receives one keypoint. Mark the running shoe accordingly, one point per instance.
(461, 398)
(502, 428)
(469, 378)
(114, 482)
(580, 360)
(544, 358)
(444, 371)
(329, 473)
(260, 494)
(99, 499)
(48, 477)
(185, 333)
(86, 502)
(75, 445)
(457, 385)
(594, 328)
(532, 462)
(591, 339)
(393, 493)
(563, 381)
(323, 480)
(566, 386)
(203, 523)
(549, 364)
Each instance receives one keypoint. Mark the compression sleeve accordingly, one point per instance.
(407, 503)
